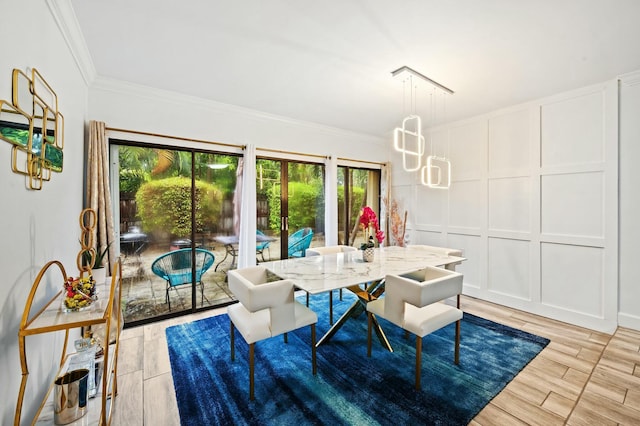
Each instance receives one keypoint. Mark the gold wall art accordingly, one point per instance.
(32, 123)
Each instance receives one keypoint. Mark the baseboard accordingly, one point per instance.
(629, 321)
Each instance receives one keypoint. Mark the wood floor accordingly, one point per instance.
(582, 377)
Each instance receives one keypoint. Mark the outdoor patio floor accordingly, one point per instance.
(143, 292)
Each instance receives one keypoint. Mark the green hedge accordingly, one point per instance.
(304, 199)
(164, 205)
(356, 204)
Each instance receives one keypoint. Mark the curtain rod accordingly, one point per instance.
(279, 151)
(377, 163)
(160, 135)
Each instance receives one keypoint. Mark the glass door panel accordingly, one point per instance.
(305, 203)
(290, 207)
(268, 208)
(215, 220)
(172, 201)
(356, 188)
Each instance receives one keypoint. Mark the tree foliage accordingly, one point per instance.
(164, 205)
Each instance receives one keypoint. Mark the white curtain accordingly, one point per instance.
(385, 194)
(331, 202)
(247, 235)
(98, 190)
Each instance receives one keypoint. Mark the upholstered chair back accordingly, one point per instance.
(320, 251)
(418, 289)
(255, 293)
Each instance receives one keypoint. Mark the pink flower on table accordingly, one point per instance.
(370, 226)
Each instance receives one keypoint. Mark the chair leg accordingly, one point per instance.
(456, 357)
(369, 326)
(251, 368)
(286, 338)
(341, 295)
(233, 338)
(313, 349)
(167, 297)
(307, 300)
(331, 307)
(418, 360)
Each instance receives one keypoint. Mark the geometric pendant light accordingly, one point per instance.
(409, 141)
(436, 173)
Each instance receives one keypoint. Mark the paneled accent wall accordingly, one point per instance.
(533, 204)
(629, 296)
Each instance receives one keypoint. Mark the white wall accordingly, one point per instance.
(629, 296)
(533, 204)
(38, 226)
(42, 225)
(133, 107)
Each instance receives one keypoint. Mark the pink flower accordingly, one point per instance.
(370, 225)
(368, 218)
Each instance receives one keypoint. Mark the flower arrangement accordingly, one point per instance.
(79, 292)
(371, 228)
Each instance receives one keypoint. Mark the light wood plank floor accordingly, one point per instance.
(582, 377)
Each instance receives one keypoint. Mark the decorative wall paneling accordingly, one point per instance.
(533, 204)
(629, 279)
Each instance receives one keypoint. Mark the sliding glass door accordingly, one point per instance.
(174, 207)
(356, 188)
(290, 206)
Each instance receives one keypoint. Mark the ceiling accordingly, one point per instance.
(330, 62)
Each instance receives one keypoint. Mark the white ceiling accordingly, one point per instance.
(330, 62)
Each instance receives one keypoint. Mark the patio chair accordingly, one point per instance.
(299, 242)
(414, 302)
(175, 268)
(265, 309)
(261, 247)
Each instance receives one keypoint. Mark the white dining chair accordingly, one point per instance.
(321, 251)
(442, 251)
(414, 302)
(265, 309)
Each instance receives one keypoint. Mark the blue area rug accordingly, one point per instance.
(350, 388)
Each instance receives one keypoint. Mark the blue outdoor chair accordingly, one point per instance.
(299, 242)
(261, 247)
(175, 268)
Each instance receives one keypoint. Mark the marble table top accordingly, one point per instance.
(317, 274)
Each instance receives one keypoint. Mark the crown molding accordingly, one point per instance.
(65, 18)
(630, 79)
(155, 94)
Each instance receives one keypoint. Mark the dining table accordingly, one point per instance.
(348, 270)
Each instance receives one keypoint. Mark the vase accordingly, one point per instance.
(367, 254)
(99, 275)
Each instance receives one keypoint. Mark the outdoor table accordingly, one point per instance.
(230, 243)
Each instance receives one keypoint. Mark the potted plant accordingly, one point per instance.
(97, 269)
(371, 228)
